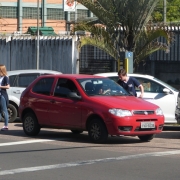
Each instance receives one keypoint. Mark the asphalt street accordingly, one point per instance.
(59, 154)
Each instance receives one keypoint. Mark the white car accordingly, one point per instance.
(19, 80)
(155, 91)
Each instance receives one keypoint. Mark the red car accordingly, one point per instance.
(87, 103)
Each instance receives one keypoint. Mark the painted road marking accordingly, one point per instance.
(25, 142)
(88, 162)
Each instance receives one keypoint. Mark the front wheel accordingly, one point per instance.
(97, 131)
(31, 126)
(146, 138)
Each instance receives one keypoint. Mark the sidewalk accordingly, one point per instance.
(14, 126)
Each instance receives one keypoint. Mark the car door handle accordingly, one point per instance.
(17, 92)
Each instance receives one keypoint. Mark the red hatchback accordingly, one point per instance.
(87, 103)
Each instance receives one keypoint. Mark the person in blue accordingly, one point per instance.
(129, 83)
(4, 100)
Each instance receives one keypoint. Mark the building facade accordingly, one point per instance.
(18, 15)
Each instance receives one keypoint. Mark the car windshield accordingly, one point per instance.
(102, 87)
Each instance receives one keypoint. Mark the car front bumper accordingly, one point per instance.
(131, 126)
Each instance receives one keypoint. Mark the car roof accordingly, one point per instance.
(109, 74)
(75, 76)
(15, 72)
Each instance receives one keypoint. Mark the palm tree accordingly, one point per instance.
(122, 25)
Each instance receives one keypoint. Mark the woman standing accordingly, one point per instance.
(4, 100)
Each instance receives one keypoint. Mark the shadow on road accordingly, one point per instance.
(169, 132)
(65, 135)
(171, 128)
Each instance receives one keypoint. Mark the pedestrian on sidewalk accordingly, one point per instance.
(4, 100)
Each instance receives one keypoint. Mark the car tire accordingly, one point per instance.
(147, 138)
(31, 126)
(178, 120)
(97, 131)
(76, 131)
(12, 111)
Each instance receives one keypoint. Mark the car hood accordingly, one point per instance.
(125, 102)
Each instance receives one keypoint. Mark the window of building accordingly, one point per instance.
(80, 14)
(8, 12)
(55, 14)
(31, 13)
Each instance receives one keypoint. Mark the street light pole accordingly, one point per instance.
(164, 14)
(75, 17)
(37, 53)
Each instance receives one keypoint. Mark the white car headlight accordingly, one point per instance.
(120, 112)
(159, 111)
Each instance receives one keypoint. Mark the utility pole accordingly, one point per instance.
(75, 17)
(164, 14)
(37, 53)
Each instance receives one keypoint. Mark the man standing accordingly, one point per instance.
(129, 83)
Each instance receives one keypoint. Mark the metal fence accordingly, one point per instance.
(94, 60)
(55, 53)
(60, 53)
(160, 64)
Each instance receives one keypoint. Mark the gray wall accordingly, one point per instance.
(55, 53)
(165, 66)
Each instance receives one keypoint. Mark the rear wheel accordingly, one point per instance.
(12, 112)
(146, 138)
(97, 131)
(31, 126)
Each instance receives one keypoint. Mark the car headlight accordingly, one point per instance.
(159, 111)
(120, 112)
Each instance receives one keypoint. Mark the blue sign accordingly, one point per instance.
(129, 54)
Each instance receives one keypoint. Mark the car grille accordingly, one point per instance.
(141, 120)
(143, 112)
(138, 128)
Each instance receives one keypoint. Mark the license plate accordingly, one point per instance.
(147, 125)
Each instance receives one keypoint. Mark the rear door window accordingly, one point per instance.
(150, 86)
(12, 80)
(43, 86)
(23, 80)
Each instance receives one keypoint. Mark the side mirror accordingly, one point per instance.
(166, 91)
(73, 95)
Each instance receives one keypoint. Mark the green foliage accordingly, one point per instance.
(124, 26)
(148, 43)
(172, 11)
(99, 37)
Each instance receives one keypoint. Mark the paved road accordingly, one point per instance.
(59, 154)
